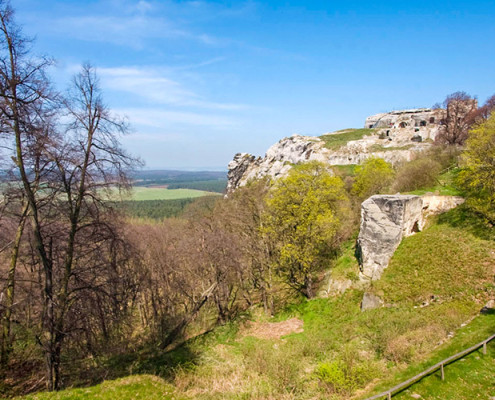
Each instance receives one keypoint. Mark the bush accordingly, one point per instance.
(477, 176)
(372, 177)
(417, 174)
(346, 374)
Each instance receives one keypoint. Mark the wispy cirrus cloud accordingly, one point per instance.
(158, 119)
(154, 86)
(126, 23)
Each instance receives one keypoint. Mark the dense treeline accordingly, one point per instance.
(165, 177)
(217, 186)
(159, 209)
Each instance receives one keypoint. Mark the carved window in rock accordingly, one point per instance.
(422, 123)
(403, 124)
(432, 120)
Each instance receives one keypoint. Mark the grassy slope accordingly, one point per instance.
(135, 387)
(444, 186)
(336, 140)
(342, 350)
(471, 377)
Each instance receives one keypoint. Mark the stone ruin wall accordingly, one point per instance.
(421, 124)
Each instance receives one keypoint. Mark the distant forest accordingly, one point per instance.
(161, 209)
(212, 181)
(209, 181)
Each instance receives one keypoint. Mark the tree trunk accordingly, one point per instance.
(10, 292)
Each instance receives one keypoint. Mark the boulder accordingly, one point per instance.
(386, 219)
(489, 307)
(371, 301)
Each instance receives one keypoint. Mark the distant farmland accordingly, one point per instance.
(140, 193)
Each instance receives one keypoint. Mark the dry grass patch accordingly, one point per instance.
(273, 330)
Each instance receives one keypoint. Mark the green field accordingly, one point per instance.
(140, 193)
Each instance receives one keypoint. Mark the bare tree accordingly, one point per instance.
(87, 164)
(26, 102)
(461, 110)
(73, 235)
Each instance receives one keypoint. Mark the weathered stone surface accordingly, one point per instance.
(489, 307)
(277, 161)
(370, 301)
(334, 287)
(237, 168)
(279, 158)
(386, 219)
(417, 124)
(434, 205)
(397, 136)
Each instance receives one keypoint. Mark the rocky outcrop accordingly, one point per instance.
(395, 136)
(386, 219)
(278, 160)
(296, 149)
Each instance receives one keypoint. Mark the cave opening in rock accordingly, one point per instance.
(415, 228)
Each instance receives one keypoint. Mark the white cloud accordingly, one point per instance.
(166, 120)
(133, 31)
(128, 23)
(154, 86)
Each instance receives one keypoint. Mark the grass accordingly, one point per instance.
(467, 378)
(340, 139)
(459, 264)
(445, 186)
(344, 351)
(135, 387)
(346, 265)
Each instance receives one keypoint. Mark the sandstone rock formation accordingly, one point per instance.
(298, 149)
(277, 161)
(386, 219)
(396, 136)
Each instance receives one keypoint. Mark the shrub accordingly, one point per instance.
(345, 375)
(372, 177)
(417, 174)
(477, 177)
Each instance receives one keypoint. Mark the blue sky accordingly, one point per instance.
(203, 80)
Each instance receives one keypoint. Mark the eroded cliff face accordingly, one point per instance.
(280, 157)
(277, 162)
(395, 136)
(387, 219)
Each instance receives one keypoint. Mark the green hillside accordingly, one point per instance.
(436, 283)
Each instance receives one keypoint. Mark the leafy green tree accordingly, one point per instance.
(306, 215)
(477, 176)
(374, 175)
